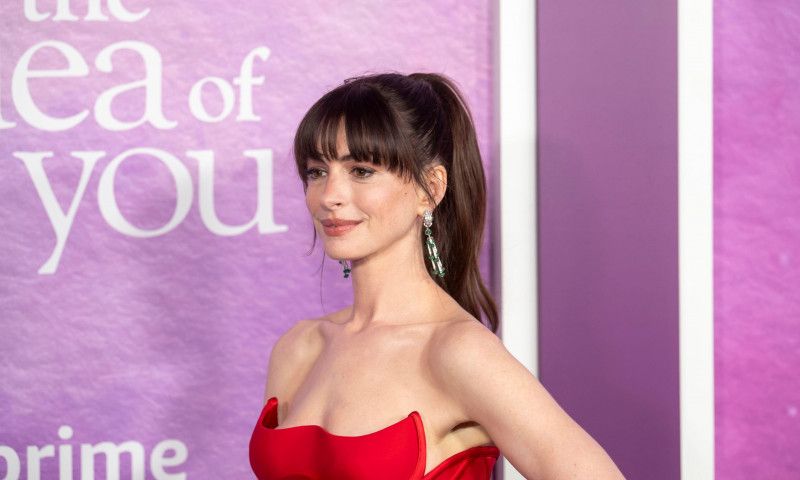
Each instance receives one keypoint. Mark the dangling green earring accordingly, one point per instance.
(433, 253)
(345, 268)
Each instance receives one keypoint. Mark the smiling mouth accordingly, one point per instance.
(336, 227)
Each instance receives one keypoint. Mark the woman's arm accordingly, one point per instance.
(522, 419)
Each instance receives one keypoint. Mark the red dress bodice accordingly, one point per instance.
(397, 452)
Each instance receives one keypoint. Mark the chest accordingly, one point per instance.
(361, 384)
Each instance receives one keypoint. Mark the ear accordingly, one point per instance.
(436, 182)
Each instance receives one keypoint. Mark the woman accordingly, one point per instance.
(405, 383)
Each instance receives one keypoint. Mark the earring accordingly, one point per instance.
(345, 268)
(433, 253)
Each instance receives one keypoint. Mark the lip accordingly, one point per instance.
(335, 227)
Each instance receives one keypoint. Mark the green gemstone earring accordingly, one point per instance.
(345, 268)
(433, 253)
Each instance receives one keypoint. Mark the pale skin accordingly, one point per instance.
(405, 345)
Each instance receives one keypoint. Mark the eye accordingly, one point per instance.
(314, 173)
(362, 172)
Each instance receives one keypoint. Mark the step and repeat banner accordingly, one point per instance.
(757, 239)
(154, 241)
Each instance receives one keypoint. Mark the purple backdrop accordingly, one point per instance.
(757, 239)
(607, 119)
(147, 324)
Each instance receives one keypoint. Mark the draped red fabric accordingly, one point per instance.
(396, 452)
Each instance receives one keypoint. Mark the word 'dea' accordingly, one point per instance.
(150, 86)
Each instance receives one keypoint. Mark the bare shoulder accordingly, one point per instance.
(305, 339)
(459, 349)
(464, 333)
(297, 343)
(293, 355)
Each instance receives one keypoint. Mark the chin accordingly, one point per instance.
(340, 253)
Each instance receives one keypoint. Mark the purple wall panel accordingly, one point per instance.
(607, 119)
(757, 239)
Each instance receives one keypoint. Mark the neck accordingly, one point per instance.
(393, 286)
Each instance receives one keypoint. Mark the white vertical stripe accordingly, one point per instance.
(518, 243)
(695, 241)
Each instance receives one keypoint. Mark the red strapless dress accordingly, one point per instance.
(397, 452)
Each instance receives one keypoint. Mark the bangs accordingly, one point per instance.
(372, 130)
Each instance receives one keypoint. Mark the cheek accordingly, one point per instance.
(377, 196)
(312, 198)
(391, 203)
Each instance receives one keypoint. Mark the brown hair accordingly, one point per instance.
(409, 124)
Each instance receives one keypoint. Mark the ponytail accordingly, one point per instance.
(460, 216)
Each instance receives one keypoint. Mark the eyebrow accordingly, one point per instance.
(343, 158)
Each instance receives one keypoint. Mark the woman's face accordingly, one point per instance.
(360, 209)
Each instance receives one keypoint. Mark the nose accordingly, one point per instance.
(335, 192)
